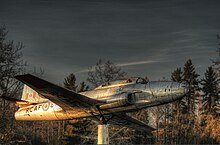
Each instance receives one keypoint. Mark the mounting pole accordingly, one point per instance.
(103, 135)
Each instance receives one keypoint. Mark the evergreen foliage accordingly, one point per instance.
(177, 75)
(209, 87)
(190, 78)
(70, 82)
(82, 87)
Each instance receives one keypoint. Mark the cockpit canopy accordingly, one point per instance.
(125, 81)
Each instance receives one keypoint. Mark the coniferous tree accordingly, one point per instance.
(82, 87)
(70, 129)
(209, 87)
(183, 116)
(190, 78)
(177, 75)
(70, 82)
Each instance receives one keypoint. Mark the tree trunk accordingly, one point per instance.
(213, 102)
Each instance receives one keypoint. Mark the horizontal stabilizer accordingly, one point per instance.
(20, 103)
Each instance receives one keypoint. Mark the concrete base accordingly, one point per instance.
(103, 135)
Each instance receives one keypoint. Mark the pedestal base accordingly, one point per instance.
(103, 135)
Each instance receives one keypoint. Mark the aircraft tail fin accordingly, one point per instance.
(31, 95)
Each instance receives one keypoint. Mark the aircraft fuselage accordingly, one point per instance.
(126, 97)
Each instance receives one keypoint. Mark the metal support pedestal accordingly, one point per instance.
(103, 135)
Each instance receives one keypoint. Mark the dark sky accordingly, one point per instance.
(146, 38)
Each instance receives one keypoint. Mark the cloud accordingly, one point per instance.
(136, 63)
(124, 64)
(82, 71)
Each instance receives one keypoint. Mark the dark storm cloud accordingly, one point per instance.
(150, 37)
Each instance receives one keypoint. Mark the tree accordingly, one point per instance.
(188, 117)
(104, 72)
(190, 78)
(209, 87)
(177, 75)
(183, 118)
(70, 82)
(82, 87)
(11, 64)
(74, 130)
(177, 108)
(11, 131)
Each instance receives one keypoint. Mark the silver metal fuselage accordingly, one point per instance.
(116, 98)
(141, 95)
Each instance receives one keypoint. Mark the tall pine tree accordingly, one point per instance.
(209, 87)
(190, 78)
(70, 129)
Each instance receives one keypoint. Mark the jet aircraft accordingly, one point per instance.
(108, 103)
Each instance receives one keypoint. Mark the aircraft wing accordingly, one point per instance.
(122, 119)
(64, 98)
(69, 100)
